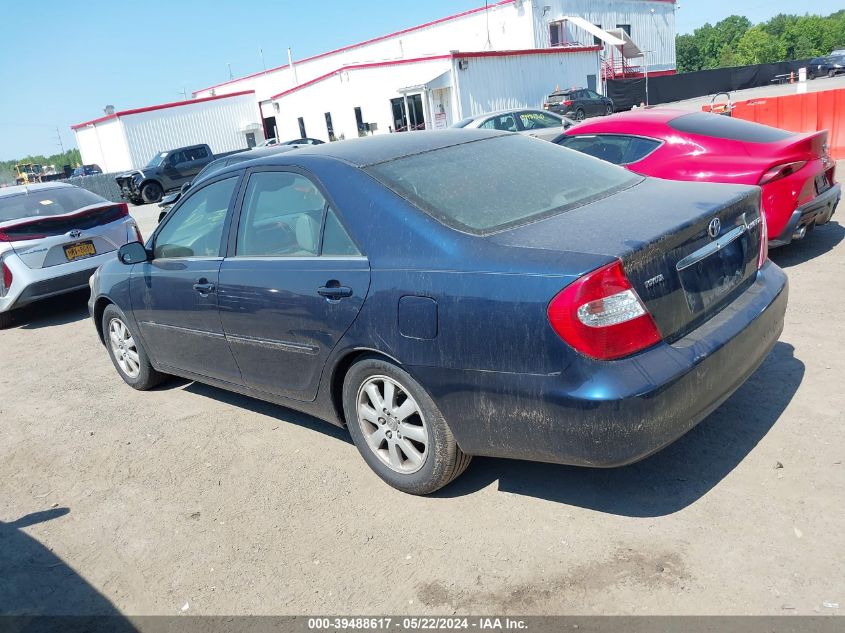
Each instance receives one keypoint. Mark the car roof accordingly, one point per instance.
(36, 186)
(370, 150)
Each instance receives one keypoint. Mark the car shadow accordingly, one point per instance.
(34, 583)
(822, 240)
(671, 479)
(278, 412)
(60, 310)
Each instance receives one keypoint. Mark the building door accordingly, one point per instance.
(330, 126)
(270, 127)
(591, 82)
(250, 140)
(302, 133)
(413, 118)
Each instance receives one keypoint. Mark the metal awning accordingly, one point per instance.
(613, 37)
(440, 82)
(629, 48)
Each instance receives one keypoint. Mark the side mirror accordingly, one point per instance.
(162, 215)
(185, 187)
(133, 253)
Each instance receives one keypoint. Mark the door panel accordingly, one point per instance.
(179, 324)
(292, 285)
(279, 328)
(174, 297)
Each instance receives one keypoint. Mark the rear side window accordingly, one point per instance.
(196, 153)
(489, 185)
(728, 128)
(619, 149)
(46, 202)
(501, 122)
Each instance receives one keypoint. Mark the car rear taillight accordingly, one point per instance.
(567, 103)
(19, 235)
(764, 241)
(5, 279)
(601, 316)
(781, 171)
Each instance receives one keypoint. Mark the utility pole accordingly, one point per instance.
(261, 50)
(229, 66)
(59, 139)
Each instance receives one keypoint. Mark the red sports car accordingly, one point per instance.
(794, 170)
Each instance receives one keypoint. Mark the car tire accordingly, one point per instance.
(126, 352)
(579, 115)
(151, 192)
(427, 457)
(608, 110)
(831, 74)
(6, 319)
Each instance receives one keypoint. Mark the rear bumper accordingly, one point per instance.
(817, 211)
(34, 284)
(614, 413)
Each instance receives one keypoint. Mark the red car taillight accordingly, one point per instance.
(601, 316)
(781, 171)
(567, 103)
(18, 237)
(764, 241)
(5, 279)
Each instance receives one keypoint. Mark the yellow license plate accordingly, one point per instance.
(83, 249)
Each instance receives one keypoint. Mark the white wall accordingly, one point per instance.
(218, 123)
(652, 24)
(510, 27)
(370, 89)
(523, 81)
(104, 144)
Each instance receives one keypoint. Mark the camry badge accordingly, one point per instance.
(75, 233)
(714, 228)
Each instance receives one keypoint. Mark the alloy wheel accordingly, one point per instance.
(393, 424)
(124, 349)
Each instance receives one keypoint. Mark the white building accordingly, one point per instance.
(130, 138)
(509, 54)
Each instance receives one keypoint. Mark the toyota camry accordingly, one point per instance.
(455, 293)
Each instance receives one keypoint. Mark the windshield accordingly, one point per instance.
(46, 202)
(157, 160)
(489, 185)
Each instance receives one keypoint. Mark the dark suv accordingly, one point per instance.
(578, 103)
(829, 66)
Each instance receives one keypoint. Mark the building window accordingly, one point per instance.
(556, 35)
(625, 27)
(329, 126)
(359, 121)
(302, 133)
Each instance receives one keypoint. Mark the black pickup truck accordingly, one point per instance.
(166, 171)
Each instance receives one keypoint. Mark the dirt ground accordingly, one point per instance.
(193, 500)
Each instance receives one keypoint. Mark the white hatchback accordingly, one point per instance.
(53, 236)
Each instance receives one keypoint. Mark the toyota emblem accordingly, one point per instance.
(714, 228)
(75, 233)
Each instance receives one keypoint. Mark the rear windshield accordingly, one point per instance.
(46, 202)
(717, 126)
(558, 98)
(489, 185)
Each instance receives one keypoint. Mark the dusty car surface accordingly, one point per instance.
(440, 311)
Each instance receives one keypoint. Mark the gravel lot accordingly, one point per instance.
(192, 500)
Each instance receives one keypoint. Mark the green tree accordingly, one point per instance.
(756, 46)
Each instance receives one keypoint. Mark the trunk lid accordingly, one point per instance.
(663, 231)
(59, 239)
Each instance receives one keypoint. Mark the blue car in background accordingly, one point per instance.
(450, 294)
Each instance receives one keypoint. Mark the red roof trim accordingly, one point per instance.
(457, 55)
(374, 40)
(159, 107)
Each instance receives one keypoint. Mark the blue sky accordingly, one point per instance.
(63, 62)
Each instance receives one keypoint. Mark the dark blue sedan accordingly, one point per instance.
(456, 293)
